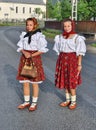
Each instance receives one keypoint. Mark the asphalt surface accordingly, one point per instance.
(48, 116)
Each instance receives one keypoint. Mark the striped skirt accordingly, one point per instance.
(37, 62)
(66, 71)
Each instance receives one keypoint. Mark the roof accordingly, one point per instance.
(41, 2)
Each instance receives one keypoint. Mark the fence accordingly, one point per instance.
(88, 27)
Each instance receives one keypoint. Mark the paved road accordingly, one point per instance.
(49, 115)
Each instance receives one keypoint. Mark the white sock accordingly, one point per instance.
(68, 97)
(34, 101)
(27, 99)
(73, 99)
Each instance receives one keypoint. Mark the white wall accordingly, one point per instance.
(7, 13)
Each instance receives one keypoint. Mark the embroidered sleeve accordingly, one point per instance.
(20, 42)
(80, 46)
(41, 43)
(56, 45)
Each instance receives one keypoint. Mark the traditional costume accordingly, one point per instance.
(32, 42)
(66, 67)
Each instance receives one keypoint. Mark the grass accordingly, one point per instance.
(50, 33)
(11, 24)
(93, 44)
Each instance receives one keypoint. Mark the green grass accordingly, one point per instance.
(11, 24)
(93, 44)
(50, 33)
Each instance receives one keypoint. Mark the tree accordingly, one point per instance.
(92, 9)
(54, 11)
(57, 11)
(83, 11)
(43, 14)
(60, 9)
(49, 8)
(38, 11)
(86, 9)
(65, 9)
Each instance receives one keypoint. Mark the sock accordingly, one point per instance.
(26, 99)
(34, 101)
(73, 99)
(68, 97)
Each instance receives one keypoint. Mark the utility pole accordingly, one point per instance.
(46, 9)
(74, 10)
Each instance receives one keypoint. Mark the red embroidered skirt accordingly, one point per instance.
(66, 71)
(38, 63)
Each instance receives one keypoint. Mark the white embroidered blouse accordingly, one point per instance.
(74, 44)
(38, 42)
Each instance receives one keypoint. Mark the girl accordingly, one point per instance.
(70, 47)
(32, 44)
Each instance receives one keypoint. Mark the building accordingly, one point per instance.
(21, 9)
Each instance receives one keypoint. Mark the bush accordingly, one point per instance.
(50, 33)
(93, 44)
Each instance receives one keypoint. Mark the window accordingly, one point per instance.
(30, 10)
(16, 9)
(23, 10)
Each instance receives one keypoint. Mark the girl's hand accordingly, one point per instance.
(79, 69)
(26, 54)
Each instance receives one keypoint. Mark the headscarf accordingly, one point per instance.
(67, 34)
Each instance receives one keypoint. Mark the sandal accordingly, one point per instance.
(65, 104)
(72, 106)
(33, 106)
(24, 105)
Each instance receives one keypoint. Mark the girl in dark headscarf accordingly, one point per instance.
(32, 44)
(70, 47)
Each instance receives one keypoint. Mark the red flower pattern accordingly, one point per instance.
(66, 71)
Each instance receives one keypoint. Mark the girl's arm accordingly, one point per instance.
(36, 53)
(27, 54)
(79, 64)
(80, 60)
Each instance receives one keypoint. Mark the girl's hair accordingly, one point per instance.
(34, 21)
(66, 20)
(69, 20)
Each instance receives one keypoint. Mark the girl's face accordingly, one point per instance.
(67, 26)
(29, 26)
